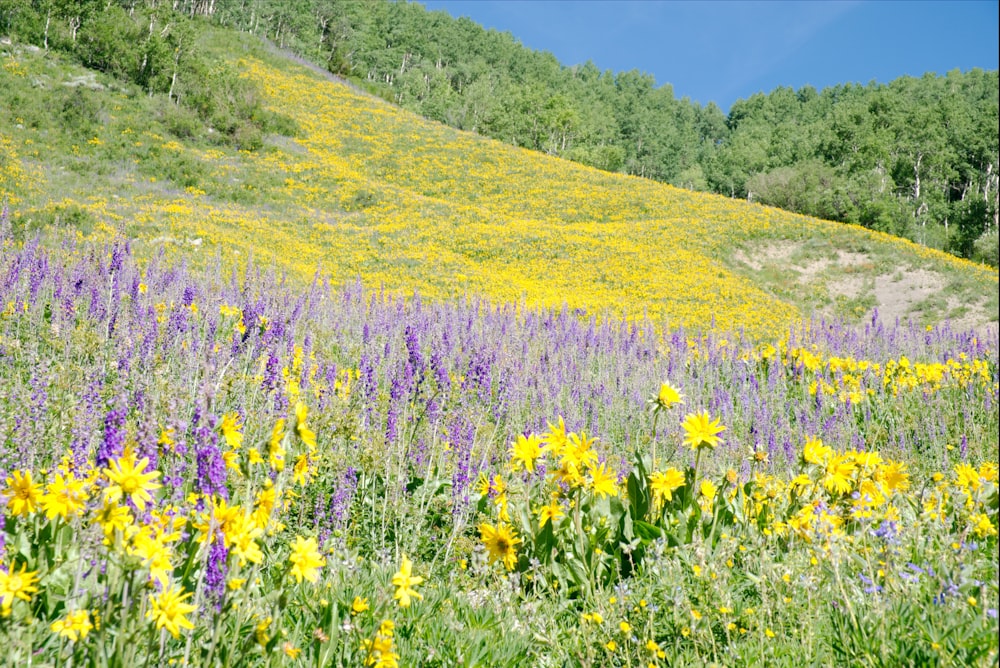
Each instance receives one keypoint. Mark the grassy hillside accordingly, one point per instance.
(364, 189)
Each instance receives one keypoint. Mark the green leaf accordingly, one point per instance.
(638, 495)
(545, 541)
(646, 531)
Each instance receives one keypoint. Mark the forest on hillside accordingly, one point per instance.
(915, 157)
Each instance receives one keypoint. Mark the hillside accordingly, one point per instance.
(914, 157)
(215, 453)
(366, 190)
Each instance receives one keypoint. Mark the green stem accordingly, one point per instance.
(715, 519)
(694, 480)
(656, 418)
(843, 592)
(578, 522)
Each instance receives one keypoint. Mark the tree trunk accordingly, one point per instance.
(173, 77)
(880, 170)
(992, 184)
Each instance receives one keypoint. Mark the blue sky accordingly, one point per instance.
(721, 50)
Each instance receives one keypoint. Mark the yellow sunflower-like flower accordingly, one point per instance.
(379, 651)
(232, 430)
(501, 543)
(306, 559)
(275, 449)
(665, 484)
(839, 471)
(894, 476)
(550, 512)
(556, 439)
(405, 581)
(16, 585)
(967, 477)
(524, 452)
(668, 396)
(700, 431)
(23, 495)
(168, 610)
(359, 605)
(602, 480)
(982, 525)
(112, 518)
(814, 452)
(155, 554)
(75, 625)
(242, 539)
(65, 496)
(307, 435)
(129, 479)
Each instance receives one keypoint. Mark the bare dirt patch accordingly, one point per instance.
(852, 259)
(848, 283)
(974, 315)
(778, 251)
(850, 287)
(897, 294)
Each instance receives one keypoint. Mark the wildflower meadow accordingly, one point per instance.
(381, 393)
(231, 469)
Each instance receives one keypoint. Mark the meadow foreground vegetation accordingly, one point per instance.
(227, 469)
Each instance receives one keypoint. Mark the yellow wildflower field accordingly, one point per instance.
(367, 190)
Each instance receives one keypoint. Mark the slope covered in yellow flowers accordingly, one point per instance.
(369, 191)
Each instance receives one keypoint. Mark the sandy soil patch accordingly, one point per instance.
(849, 286)
(779, 251)
(897, 294)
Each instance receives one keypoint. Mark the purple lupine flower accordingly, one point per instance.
(460, 437)
(306, 351)
(97, 311)
(118, 253)
(343, 497)
(178, 321)
(273, 382)
(84, 424)
(211, 465)
(479, 377)
(441, 376)
(369, 386)
(112, 444)
(216, 568)
(433, 410)
(870, 586)
(416, 358)
(39, 401)
(188, 296)
(39, 270)
(887, 531)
